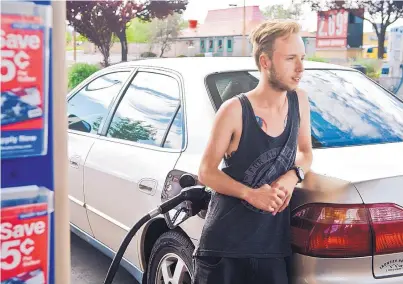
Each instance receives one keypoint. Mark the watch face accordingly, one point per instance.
(301, 173)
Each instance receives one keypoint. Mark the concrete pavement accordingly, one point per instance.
(89, 266)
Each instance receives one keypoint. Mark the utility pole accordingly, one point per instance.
(244, 30)
(243, 27)
(74, 46)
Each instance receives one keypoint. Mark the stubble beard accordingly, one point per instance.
(275, 82)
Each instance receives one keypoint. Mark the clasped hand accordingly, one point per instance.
(275, 197)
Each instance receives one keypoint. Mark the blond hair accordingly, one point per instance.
(264, 36)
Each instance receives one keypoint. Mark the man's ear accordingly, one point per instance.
(264, 61)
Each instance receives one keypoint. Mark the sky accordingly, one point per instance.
(197, 9)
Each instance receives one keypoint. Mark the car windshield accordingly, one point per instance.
(347, 109)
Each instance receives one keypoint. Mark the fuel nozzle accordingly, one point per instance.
(195, 194)
(187, 180)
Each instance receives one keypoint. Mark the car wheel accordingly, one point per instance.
(171, 260)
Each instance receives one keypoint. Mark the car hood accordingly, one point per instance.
(359, 163)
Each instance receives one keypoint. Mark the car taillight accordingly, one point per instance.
(353, 230)
(331, 230)
(387, 224)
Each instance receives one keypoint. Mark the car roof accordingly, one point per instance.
(208, 65)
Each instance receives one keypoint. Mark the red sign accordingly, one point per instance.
(192, 24)
(22, 62)
(332, 29)
(24, 243)
(23, 99)
(333, 42)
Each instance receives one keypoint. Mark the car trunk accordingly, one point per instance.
(377, 173)
(389, 232)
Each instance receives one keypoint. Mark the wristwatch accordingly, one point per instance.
(300, 173)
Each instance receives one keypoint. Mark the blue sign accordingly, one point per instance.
(27, 168)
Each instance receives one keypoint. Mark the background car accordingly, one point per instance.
(135, 127)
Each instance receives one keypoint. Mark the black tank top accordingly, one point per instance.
(233, 227)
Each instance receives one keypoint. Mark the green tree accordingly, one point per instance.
(99, 20)
(124, 128)
(138, 31)
(278, 11)
(88, 19)
(164, 32)
(68, 38)
(120, 14)
(81, 38)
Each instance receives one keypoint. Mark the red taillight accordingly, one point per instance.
(333, 230)
(387, 224)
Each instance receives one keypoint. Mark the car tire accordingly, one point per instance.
(170, 245)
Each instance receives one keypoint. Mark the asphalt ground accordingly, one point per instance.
(89, 266)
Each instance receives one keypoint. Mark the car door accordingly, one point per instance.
(127, 166)
(87, 108)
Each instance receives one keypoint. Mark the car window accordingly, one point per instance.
(175, 138)
(90, 105)
(146, 109)
(347, 108)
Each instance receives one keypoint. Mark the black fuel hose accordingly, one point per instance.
(116, 260)
(196, 194)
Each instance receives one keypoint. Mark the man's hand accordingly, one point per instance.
(285, 183)
(266, 198)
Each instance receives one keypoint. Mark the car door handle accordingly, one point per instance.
(148, 185)
(74, 161)
(145, 187)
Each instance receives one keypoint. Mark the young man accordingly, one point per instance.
(264, 137)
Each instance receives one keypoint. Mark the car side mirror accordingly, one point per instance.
(75, 123)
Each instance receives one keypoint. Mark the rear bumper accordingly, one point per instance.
(311, 270)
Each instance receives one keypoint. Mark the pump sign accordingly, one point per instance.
(27, 179)
(24, 242)
(23, 92)
(332, 29)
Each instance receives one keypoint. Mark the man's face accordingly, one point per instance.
(286, 65)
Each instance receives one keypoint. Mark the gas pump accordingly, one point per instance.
(395, 58)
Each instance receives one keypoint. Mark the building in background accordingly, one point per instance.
(370, 38)
(370, 45)
(221, 33)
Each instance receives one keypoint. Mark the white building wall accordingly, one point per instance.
(181, 47)
(310, 46)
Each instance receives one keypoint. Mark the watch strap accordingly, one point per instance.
(296, 169)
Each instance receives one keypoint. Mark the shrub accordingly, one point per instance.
(79, 72)
(182, 55)
(372, 66)
(199, 55)
(317, 59)
(148, 54)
